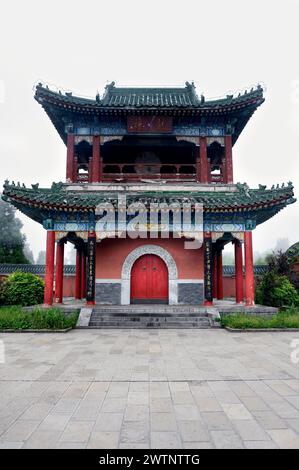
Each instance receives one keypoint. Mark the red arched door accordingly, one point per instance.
(149, 280)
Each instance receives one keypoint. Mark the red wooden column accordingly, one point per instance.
(239, 272)
(215, 290)
(49, 274)
(219, 275)
(70, 157)
(78, 274)
(204, 166)
(198, 161)
(83, 276)
(59, 272)
(96, 163)
(249, 276)
(228, 159)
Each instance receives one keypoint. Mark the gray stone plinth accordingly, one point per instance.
(108, 293)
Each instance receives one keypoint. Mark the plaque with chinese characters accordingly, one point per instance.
(151, 124)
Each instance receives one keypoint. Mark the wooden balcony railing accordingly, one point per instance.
(136, 171)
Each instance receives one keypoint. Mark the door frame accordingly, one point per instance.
(152, 299)
(153, 250)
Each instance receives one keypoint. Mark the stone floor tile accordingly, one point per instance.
(198, 445)
(11, 444)
(138, 398)
(161, 405)
(77, 431)
(294, 424)
(207, 404)
(192, 431)
(42, 439)
(285, 438)
(236, 411)
(103, 440)
(250, 430)
(114, 405)
(134, 445)
(163, 422)
(20, 430)
(182, 398)
(165, 440)
(226, 440)
(255, 403)
(109, 422)
(55, 421)
(135, 431)
(269, 420)
(137, 413)
(216, 421)
(260, 445)
(184, 412)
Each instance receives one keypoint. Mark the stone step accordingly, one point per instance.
(149, 325)
(145, 320)
(154, 326)
(157, 309)
(177, 316)
(148, 320)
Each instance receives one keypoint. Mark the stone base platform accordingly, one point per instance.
(163, 316)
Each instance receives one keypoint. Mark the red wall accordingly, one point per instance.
(69, 281)
(111, 254)
(229, 286)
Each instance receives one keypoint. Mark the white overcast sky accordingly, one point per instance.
(224, 46)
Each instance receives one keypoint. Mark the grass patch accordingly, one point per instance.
(53, 318)
(287, 319)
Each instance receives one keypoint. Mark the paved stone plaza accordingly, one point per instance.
(149, 389)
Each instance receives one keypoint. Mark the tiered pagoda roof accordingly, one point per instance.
(123, 101)
(263, 202)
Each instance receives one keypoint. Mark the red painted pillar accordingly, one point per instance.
(59, 272)
(239, 272)
(219, 275)
(78, 274)
(96, 165)
(215, 290)
(204, 167)
(83, 276)
(49, 274)
(198, 162)
(249, 276)
(228, 159)
(70, 157)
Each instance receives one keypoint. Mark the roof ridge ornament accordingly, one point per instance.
(56, 187)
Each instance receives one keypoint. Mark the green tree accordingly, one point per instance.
(12, 241)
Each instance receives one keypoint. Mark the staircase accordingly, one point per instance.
(152, 316)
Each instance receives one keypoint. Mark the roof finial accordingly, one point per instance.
(190, 86)
(109, 86)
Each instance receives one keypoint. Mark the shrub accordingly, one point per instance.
(279, 263)
(23, 289)
(276, 290)
(287, 319)
(2, 286)
(52, 318)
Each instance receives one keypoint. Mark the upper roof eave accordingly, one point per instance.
(171, 99)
